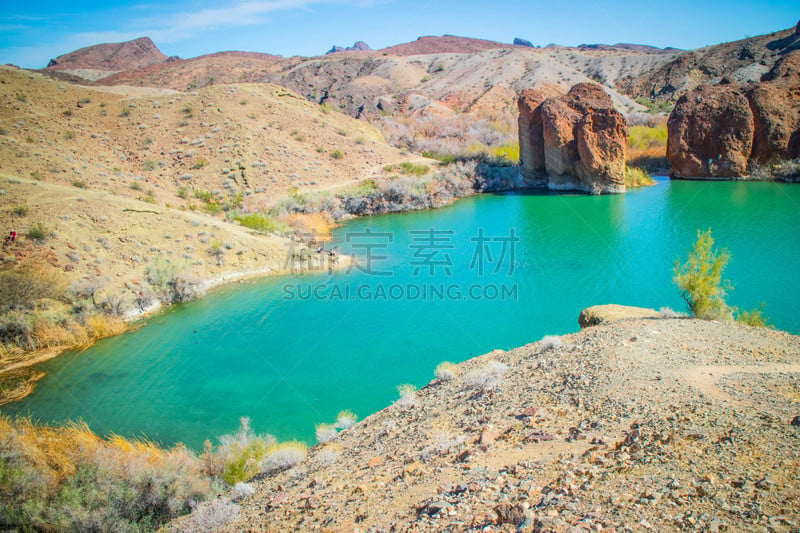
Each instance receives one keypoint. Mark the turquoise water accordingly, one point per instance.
(265, 349)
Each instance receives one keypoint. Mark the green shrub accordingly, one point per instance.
(38, 232)
(637, 177)
(408, 168)
(69, 135)
(19, 211)
(260, 223)
(126, 111)
(79, 184)
(337, 154)
(700, 279)
(655, 106)
(644, 137)
(754, 318)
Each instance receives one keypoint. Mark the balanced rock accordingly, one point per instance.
(576, 141)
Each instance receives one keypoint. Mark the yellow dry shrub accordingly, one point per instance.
(318, 224)
(102, 325)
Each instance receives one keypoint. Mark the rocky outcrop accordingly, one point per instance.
(574, 141)
(111, 56)
(723, 131)
(523, 42)
(606, 314)
(710, 133)
(359, 45)
(776, 113)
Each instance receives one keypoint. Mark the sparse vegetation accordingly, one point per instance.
(754, 317)
(408, 396)
(79, 184)
(656, 106)
(69, 135)
(170, 285)
(637, 177)
(260, 223)
(19, 211)
(325, 432)
(337, 154)
(446, 371)
(408, 168)
(38, 232)
(488, 377)
(550, 342)
(68, 479)
(647, 147)
(345, 419)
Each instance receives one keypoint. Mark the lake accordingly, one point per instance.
(491, 271)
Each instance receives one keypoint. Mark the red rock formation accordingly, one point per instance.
(575, 141)
(710, 133)
(722, 130)
(776, 112)
(531, 135)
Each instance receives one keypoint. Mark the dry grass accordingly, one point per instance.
(647, 147)
(70, 479)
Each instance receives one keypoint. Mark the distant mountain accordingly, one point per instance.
(111, 57)
(522, 42)
(647, 49)
(359, 45)
(446, 44)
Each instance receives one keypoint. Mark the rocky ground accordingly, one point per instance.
(648, 424)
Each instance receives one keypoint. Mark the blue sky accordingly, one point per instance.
(33, 32)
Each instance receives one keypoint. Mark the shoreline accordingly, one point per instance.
(25, 368)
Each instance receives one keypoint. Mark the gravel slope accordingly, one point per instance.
(660, 424)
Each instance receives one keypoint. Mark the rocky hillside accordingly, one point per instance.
(649, 424)
(742, 61)
(257, 141)
(103, 59)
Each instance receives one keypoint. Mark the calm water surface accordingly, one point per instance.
(292, 352)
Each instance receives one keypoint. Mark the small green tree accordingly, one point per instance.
(700, 279)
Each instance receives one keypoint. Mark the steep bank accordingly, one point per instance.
(660, 424)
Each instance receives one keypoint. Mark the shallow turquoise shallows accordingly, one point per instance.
(291, 352)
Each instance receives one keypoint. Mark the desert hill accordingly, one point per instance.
(101, 183)
(102, 59)
(254, 140)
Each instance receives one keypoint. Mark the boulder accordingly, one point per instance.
(604, 314)
(724, 130)
(573, 141)
(776, 112)
(710, 133)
